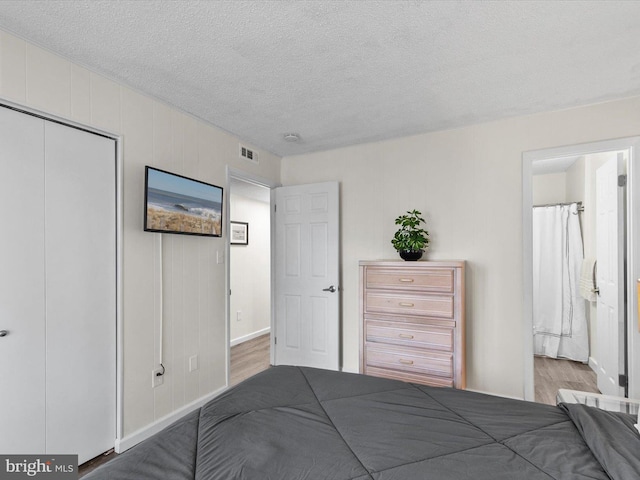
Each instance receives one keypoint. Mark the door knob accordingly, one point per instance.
(331, 289)
(3, 333)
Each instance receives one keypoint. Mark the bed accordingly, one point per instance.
(304, 423)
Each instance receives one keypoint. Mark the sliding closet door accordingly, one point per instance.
(80, 252)
(57, 288)
(22, 304)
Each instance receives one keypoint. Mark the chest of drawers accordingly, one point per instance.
(412, 321)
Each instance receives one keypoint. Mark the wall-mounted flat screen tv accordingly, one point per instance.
(177, 204)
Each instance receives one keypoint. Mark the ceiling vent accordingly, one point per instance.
(248, 154)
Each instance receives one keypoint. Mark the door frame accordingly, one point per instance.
(632, 144)
(243, 176)
(119, 209)
(306, 218)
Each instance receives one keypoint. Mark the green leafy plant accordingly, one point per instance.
(410, 236)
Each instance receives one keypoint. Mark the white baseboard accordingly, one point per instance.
(495, 394)
(136, 437)
(251, 336)
(593, 363)
(350, 370)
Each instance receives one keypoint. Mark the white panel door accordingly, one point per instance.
(307, 295)
(80, 251)
(22, 348)
(610, 276)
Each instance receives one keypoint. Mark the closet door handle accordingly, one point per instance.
(3, 333)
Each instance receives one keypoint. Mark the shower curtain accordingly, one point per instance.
(559, 321)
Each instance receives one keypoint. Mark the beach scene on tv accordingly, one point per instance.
(181, 205)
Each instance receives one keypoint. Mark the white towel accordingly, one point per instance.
(587, 286)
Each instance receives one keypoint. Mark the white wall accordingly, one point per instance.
(250, 269)
(575, 182)
(549, 188)
(194, 284)
(468, 183)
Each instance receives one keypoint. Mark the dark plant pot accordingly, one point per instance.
(410, 255)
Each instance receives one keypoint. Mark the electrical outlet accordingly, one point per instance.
(193, 363)
(157, 377)
(238, 316)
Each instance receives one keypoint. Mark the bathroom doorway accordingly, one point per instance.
(568, 354)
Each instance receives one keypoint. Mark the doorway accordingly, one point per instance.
(568, 340)
(249, 270)
(555, 163)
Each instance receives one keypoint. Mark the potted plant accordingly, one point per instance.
(410, 240)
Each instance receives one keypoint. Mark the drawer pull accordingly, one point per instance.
(406, 304)
(406, 280)
(404, 335)
(406, 362)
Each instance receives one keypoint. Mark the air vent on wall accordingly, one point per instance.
(248, 154)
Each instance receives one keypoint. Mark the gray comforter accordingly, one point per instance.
(303, 423)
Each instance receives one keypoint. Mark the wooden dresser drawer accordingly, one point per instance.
(410, 360)
(410, 335)
(409, 377)
(404, 304)
(434, 280)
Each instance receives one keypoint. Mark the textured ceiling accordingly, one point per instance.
(347, 72)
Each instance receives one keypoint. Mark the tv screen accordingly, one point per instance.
(177, 204)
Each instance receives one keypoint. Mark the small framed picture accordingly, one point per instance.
(239, 233)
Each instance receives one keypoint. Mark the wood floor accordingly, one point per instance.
(551, 375)
(92, 464)
(249, 358)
